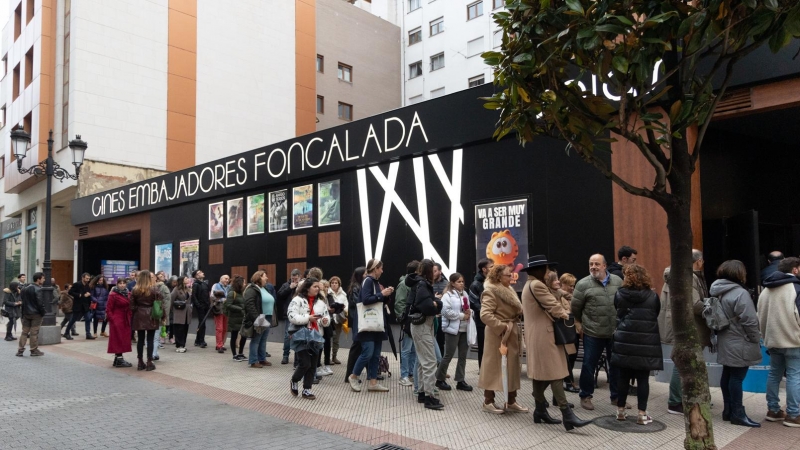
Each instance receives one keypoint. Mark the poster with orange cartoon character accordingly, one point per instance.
(501, 234)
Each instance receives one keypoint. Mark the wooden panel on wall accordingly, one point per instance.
(215, 252)
(271, 270)
(62, 272)
(241, 271)
(296, 246)
(301, 266)
(329, 244)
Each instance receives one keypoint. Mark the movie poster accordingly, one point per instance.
(164, 259)
(255, 214)
(190, 257)
(278, 211)
(501, 234)
(216, 220)
(329, 203)
(235, 217)
(303, 207)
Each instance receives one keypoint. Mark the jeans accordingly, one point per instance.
(676, 388)
(731, 385)
(87, 317)
(66, 320)
(30, 327)
(408, 356)
(784, 360)
(592, 350)
(369, 358)
(451, 344)
(221, 328)
(258, 347)
(141, 342)
(286, 340)
(425, 343)
(642, 387)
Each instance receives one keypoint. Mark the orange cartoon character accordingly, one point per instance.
(503, 249)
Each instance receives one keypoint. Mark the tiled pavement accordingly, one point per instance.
(371, 418)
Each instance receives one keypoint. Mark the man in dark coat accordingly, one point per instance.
(774, 258)
(475, 291)
(625, 255)
(81, 301)
(201, 302)
(32, 315)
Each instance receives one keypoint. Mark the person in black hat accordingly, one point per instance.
(546, 363)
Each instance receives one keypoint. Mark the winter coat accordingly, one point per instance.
(453, 312)
(181, 316)
(637, 342)
(546, 361)
(767, 271)
(615, 268)
(284, 297)
(593, 306)
(699, 294)
(142, 304)
(500, 306)
(65, 302)
(201, 295)
(423, 300)
(299, 312)
(778, 317)
(439, 285)
(32, 303)
(252, 305)
(738, 345)
(340, 298)
(321, 308)
(10, 300)
(119, 315)
(166, 299)
(369, 295)
(80, 302)
(100, 296)
(234, 309)
(475, 290)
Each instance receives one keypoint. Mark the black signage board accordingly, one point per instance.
(448, 122)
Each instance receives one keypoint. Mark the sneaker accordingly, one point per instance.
(328, 370)
(443, 386)
(308, 395)
(463, 386)
(21, 352)
(490, 408)
(433, 403)
(354, 384)
(104, 334)
(421, 397)
(678, 409)
(644, 419)
(172, 341)
(377, 387)
(776, 416)
(268, 355)
(586, 403)
(793, 422)
(293, 388)
(321, 372)
(160, 340)
(160, 345)
(36, 353)
(621, 416)
(156, 357)
(516, 408)
(256, 366)
(405, 381)
(203, 345)
(241, 357)
(8, 338)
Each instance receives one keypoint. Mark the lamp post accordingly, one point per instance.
(20, 141)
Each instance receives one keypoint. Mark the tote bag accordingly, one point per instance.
(370, 317)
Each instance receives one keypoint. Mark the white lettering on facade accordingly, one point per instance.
(386, 133)
(308, 147)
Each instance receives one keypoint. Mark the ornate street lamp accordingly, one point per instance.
(20, 141)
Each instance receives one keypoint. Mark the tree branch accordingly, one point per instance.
(702, 134)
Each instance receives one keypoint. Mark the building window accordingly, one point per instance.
(415, 69)
(15, 84)
(2, 167)
(3, 116)
(476, 81)
(475, 47)
(498, 3)
(29, 67)
(345, 73)
(414, 4)
(415, 99)
(320, 104)
(474, 10)
(345, 111)
(320, 64)
(437, 26)
(29, 12)
(497, 38)
(4, 67)
(415, 36)
(437, 61)
(18, 21)
(437, 92)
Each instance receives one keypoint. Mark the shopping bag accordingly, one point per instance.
(370, 317)
(472, 332)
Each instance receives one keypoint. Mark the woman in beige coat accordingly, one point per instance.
(500, 310)
(546, 361)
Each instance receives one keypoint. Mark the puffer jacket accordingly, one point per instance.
(637, 343)
(321, 308)
(593, 306)
(665, 318)
(100, 296)
(299, 312)
(234, 309)
(738, 345)
(453, 312)
(423, 296)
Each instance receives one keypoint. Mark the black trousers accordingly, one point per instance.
(571, 362)
(481, 331)
(352, 356)
(440, 335)
(327, 334)
(306, 367)
(180, 330)
(642, 378)
(234, 335)
(201, 329)
(140, 343)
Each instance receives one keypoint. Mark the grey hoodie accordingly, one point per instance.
(738, 345)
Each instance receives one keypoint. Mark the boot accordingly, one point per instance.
(540, 415)
(141, 365)
(556, 403)
(571, 420)
(432, 402)
(739, 417)
(726, 412)
(120, 362)
(150, 365)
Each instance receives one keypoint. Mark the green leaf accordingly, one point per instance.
(792, 22)
(491, 105)
(610, 28)
(624, 20)
(661, 18)
(620, 63)
(750, 4)
(779, 40)
(585, 33)
(575, 5)
(675, 110)
(771, 4)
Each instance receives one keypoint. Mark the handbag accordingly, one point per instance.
(563, 329)
(370, 317)
(93, 306)
(416, 318)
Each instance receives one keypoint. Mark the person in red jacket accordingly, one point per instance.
(119, 315)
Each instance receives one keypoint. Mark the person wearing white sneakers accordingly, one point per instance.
(306, 339)
(181, 312)
(322, 309)
(371, 341)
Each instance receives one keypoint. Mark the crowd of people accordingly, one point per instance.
(613, 313)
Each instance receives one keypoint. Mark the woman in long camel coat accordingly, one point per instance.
(118, 315)
(500, 311)
(546, 361)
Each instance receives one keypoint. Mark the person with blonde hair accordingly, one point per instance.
(143, 298)
(339, 295)
(371, 341)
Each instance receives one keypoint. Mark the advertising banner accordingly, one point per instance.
(303, 207)
(235, 217)
(190, 256)
(501, 234)
(114, 269)
(164, 259)
(216, 220)
(329, 210)
(255, 214)
(278, 211)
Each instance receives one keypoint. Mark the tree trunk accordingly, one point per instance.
(687, 352)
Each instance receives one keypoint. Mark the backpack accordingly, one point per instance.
(714, 314)
(400, 298)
